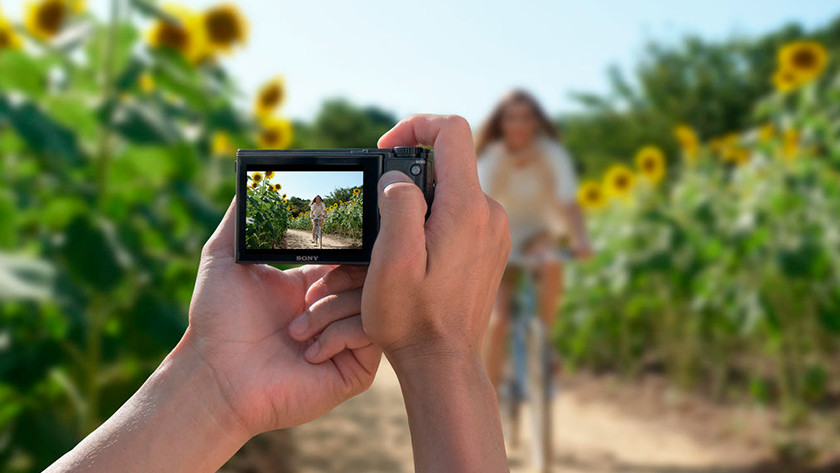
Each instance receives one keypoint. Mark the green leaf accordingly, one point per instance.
(23, 73)
(43, 134)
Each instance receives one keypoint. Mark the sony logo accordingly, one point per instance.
(306, 258)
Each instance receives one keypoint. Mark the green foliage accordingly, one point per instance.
(267, 217)
(107, 193)
(344, 217)
(712, 86)
(341, 124)
(728, 277)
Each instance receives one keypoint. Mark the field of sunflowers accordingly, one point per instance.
(116, 152)
(722, 270)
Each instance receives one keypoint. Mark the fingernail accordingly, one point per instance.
(391, 177)
(312, 350)
(299, 325)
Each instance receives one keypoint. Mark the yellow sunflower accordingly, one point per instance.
(269, 174)
(766, 132)
(619, 180)
(650, 160)
(224, 27)
(8, 37)
(790, 144)
(278, 188)
(270, 96)
(186, 36)
(590, 195)
(785, 80)
(45, 18)
(688, 141)
(356, 191)
(222, 144)
(146, 82)
(257, 177)
(276, 133)
(804, 59)
(254, 185)
(737, 155)
(286, 202)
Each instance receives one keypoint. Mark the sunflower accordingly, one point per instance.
(790, 144)
(766, 132)
(688, 141)
(257, 177)
(619, 180)
(591, 196)
(737, 155)
(651, 163)
(286, 202)
(276, 133)
(8, 37)
(222, 144)
(278, 188)
(186, 35)
(224, 27)
(146, 82)
(45, 18)
(254, 185)
(804, 59)
(270, 96)
(785, 80)
(356, 191)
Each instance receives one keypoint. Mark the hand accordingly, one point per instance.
(271, 376)
(431, 284)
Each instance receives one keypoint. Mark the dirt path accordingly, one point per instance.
(370, 433)
(302, 239)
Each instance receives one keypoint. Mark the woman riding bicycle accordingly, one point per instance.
(522, 165)
(317, 211)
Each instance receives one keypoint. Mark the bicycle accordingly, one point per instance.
(319, 233)
(532, 377)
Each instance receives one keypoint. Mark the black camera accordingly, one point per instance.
(317, 205)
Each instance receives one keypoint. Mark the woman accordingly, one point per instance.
(317, 210)
(523, 166)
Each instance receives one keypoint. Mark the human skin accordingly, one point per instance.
(268, 349)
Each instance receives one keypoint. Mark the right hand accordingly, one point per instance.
(431, 283)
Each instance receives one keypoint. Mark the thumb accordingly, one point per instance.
(402, 210)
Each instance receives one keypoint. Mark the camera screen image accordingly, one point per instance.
(304, 210)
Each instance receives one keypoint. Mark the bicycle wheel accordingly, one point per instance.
(540, 394)
(320, 236)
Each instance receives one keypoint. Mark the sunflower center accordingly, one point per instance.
(805, 59)
(173, 35)
(648, 165)
(270, 136)
(5, 40)
(222, 27)
(593, 196)
(50, 16)
(271, 96)
(621, 182)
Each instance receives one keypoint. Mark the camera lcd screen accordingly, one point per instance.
(280, 191)
(304, 210)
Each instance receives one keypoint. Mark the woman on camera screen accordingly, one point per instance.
(317, 210)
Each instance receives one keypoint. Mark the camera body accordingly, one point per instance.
(317, 206)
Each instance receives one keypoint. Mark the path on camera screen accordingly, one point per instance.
(594, 433)
(303, 239)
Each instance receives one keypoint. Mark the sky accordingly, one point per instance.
(445, 56)
(308, 184)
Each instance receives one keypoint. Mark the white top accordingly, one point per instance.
(529, 193)
(317, 209)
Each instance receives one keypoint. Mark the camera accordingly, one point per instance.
(317, 206)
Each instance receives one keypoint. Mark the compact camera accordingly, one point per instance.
(317, 205)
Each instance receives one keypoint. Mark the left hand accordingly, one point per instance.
(271, 375)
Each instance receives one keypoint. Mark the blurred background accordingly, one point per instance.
(704, 336)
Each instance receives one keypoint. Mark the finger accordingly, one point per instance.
(346, 333)
(339, 279)
(324, 312)
(221, 242)
(402, 210)
(311, 273)
(451, 137)
(358, 367)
